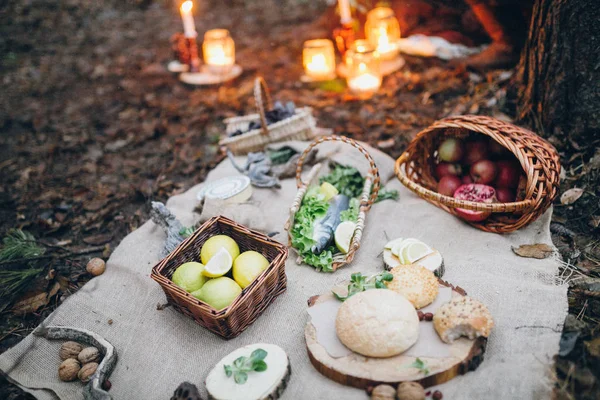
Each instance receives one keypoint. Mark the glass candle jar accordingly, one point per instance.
(383, 31)
(363, 68)
(318, 59)
(218, 50)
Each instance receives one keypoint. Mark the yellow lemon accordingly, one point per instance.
(218, 265)
(248, 266)
(214, 244)
(219, 292)
(328, 190)
(189, 276)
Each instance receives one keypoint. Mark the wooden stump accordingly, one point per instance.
(364, 372)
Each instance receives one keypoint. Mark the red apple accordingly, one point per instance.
(444, 169)
(475, 150)
(505, 195)
(483, 171)
(508, 174)
(448, 185)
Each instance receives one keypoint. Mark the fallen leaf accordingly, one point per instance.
(571, 196)
(539, 250)
(98, 239)
(30, 304)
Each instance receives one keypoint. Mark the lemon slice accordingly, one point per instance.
(328, 190)
(343, 236)
(414, 251)
(397, 249)
(219, 264)
(390, 245)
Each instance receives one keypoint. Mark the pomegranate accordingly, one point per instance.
(475, 192)
(474, 151)
(448, 185)
(483, 171)
(505, 195)
(444, 169)
(467, 179)
(508, 175)
(451, 150)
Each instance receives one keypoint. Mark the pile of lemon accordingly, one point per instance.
(219, 256)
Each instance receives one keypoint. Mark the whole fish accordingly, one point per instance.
(324, 228)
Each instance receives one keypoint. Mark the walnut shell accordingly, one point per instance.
(88, 355)
(410, 391)
(383, 392)
(69, 350)
(86, 372)
(68, 370)
(96, 266)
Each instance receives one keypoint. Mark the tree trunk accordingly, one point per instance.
(558, 77)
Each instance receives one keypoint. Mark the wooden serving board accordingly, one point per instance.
(364, 372)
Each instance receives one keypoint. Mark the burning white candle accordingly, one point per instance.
(189, 28)
(318, 58)
(345, 15)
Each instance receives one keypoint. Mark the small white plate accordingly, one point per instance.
(387, 67)
(177, 67)
(204, 77)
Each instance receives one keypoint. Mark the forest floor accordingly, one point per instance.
(93, 127)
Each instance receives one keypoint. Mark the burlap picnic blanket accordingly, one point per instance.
(159, 349)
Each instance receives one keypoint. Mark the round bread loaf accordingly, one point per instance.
(418, 284)
(377, 323)
(462, 316)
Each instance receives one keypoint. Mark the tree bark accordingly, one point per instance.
(558, 76)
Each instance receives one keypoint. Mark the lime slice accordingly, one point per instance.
(328, 190)
(390, 245)
(414, 251)
(219, 264)
(397, 249)
(343, 235)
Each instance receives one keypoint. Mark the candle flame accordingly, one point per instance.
(362, 67)
(187, 5)
(383, 41)
(317, 62)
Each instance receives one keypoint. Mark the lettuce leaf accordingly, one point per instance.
(351, 214)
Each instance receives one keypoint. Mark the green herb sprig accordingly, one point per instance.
(420, 365)
(360, 283)
(242, 365)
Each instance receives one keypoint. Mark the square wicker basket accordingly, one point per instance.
(254, 299)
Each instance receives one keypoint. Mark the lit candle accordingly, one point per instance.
(219, 51)
(364, 82)
(363, 68)
(189, 28)
(345, 16)
(318, 58)
(383, 31)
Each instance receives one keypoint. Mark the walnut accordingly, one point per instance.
(96, 266)
(68, 370)
(69, 350)
(410, 391)
(88, 355)
(86, 372)
(383, 392)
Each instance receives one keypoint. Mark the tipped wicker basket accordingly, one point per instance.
(538, 158)
(254, 299)
(367, 198)
(300, 126)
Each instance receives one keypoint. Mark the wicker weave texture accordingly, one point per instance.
(538, 158)
(254, 299)
(367, 197)
(300, 126)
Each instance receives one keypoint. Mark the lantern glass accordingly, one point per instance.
(363, 68)
(318, 58)
(383, 31)
(218, 49)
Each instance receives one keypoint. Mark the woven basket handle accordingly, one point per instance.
(262, 96)
(451, 201)
(373, 172)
